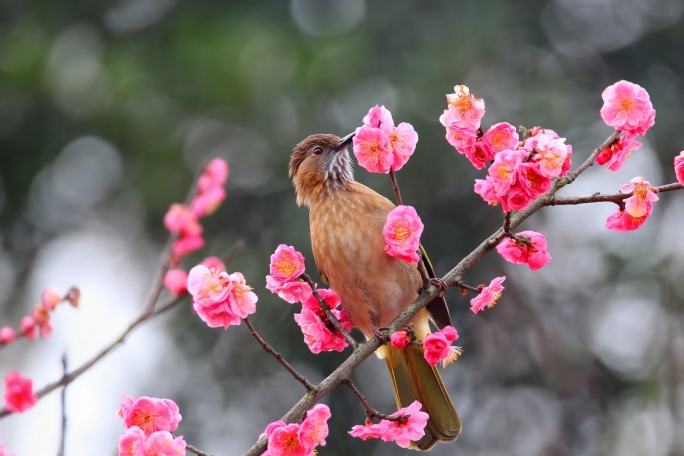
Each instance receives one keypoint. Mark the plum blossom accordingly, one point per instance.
(402, 233)
(488, 295)
(299, 439)
(627, 107)
(19, 395)
(643, 194)
(615, 154)
(206, 203)
(461, 138)
(501, 136)
(402, 431)
(517, 199)
(373, 149)
(438, 347)
(531, 179)
(464, 111)
(7, 335)
(679, 167)
(400, 339)
(27, 327)
(622, 221)
(149, 414)
(314, 428)
(287, 264)
(478, 154)
(485, 188)
(379, 117)
(214, 262)
(533, 252)
(176, 281)
(50, 298)
(502, 171)
(317, 335)
(42, 319)
(242, 299)
(215, 175)
(403, 141)
(134, 442)
(547, 147)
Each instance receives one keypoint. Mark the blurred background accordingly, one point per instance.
(108, 108)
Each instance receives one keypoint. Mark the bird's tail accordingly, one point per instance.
(414, 379)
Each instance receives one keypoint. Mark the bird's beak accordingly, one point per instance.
(344, 142)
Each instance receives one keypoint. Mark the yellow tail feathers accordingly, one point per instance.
(414, 379)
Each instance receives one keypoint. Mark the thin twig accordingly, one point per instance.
(463, 286)
(328, 313)
(395, 186)
(601, 198)
(194, 449)
(62, 436)
(370, 411)
(299, 377)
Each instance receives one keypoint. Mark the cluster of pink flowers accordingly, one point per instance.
(402, 233)
(19, 395)
(219, 298)
(299, 439)
(627, 108)
(679, 167)
(184, 220)
(637, 209)
(532, 251)
(488, 295)
(149, 423)
(379, 146)
(319, 334)
(438, 347)
(287, 267)
(30, 326)
(402, 431)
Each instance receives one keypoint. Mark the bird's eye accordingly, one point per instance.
(317, 151)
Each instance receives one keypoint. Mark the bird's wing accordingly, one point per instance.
(324, 278)
(439, 312)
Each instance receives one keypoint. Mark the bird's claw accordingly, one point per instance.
(380, 333)
(439, 283)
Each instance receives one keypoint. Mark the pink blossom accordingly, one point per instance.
(502, 171)
(478, 154)
(400, 339)
(7, 335)
(214, 262)
(627, 107)
(461, 138)
(50, 298)
(314, 428)
(679, 167)
(206, 203)
(187, 244)
(242, 299)
(215, 175)
(379, 117)
(403, 140)
(27, 327)
(19, 395)
(369, 430)
(402, 233)
(296, 291)
(208, 285)
(331, 299)
(551, 154)
(485, 188)
(42, 319)
(181, 220)
(373, 149)
(500, 137)
(150, 414)
(408, 429)
(284, 441)
(163, 443)
(622, 221)
(465, 110)
(488, 296)
(287, 264)
(132, 442)
(518, 199)
(533, 252)
(212, 292)
(530, 178)
(176, 281)
(317, 335)
(643, 194)
(438, 345)
(617, 152)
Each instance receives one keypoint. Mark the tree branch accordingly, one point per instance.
(601, 198)
(370, 411)
(328, 313)
(194, 449)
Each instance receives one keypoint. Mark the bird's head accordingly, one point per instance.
(320, 163)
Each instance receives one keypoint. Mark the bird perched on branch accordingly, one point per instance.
(346, 220)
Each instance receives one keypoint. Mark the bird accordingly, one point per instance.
(346, 220)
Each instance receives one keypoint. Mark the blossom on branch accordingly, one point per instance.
(679, 167)
(627, 108)
(464, 110)
(500, 137)
(50, 298)
(298, 439)
(643, 194)
(530, 251)
(19, 395)
(7, 335)
(149, 414)
(438, 347)
(402, 233)
(287, 265)
(400, 339)
(319, 333)
(488, 296)
(615, 154)
(379, 117)
(403, 140)
(622, 221)
(373, 149)
(134, 442)
(402, 431)
(176, 281)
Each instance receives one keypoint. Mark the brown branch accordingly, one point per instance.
(299, 377)
(328, 313)
(62, 434)
(453, 277)
(370, 411)
(616, 198)
(395, 186)
(463, 286)
(194, 449)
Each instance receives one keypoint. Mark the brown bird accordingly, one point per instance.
(346, 220)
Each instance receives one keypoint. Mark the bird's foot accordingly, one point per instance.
(440, 284)
(381, 333)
